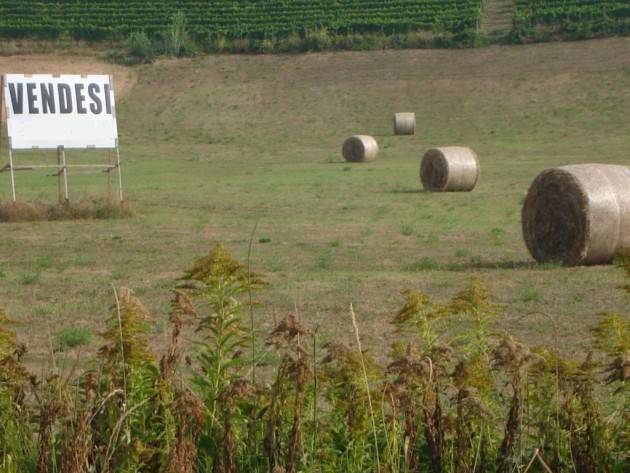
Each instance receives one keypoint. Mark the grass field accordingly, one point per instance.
(214, 145)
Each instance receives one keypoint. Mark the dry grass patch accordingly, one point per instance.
(86, 208)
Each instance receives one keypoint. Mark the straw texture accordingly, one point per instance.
(578, 214)
(452, 168)
(405, 123)
(360, 149)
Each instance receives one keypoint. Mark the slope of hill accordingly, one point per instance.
(214, 145)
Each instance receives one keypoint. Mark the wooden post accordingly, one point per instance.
(120, 185)
(120, 188)
(109, 176)
(62, 151)
(1, 107)
(59, 178)
(2, 85)
(12, 173)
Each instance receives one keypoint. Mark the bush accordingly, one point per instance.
(241, 45)
(291, 44)
(318, 40)
(139, 47)
(217, 44)
(71, 337)
(177, 40)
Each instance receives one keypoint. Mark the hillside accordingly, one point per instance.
(213, 146)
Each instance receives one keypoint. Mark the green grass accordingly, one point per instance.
(338, 233)
(529, 293)
(72, 337)
(27, 279)
(45, 262)
(407, 229)
(425, 264)
(42, 310)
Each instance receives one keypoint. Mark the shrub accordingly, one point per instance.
(71, 337)
(317, 40)
(177, 40)
(139, 47)
(291, 44)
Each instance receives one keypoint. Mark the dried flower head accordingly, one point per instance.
(335, 351)
(289, 329)
(513, 355)
(126, 333)
(220, 268)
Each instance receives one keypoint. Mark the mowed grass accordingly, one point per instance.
(215, 146)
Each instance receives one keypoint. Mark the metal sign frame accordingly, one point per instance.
(62, 166)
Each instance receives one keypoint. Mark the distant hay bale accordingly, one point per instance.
(578, 214)
(452, 168)
(360, 149)
(405, 123)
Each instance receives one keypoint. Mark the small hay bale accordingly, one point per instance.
(405, 123)
(360, 149)
(452, 168)
(578, 214)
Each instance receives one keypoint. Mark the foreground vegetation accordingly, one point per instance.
(453, 396)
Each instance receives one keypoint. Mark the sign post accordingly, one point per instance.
(60, 112)
(120, 188)
(62, 183)
(12, 173)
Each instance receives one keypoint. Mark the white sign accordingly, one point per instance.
(73, 111)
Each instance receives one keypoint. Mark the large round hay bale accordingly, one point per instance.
(452, 168)
(578, 214)
(360, 149)
(405, 123)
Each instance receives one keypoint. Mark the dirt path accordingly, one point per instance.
(497, 18)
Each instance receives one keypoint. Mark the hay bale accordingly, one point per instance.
(578, 214)
(405, 123)
(452, 168)
(360, 149)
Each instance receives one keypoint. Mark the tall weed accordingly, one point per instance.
(453, 397)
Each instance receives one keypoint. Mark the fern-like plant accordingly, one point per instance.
(216, 282)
